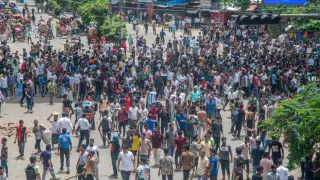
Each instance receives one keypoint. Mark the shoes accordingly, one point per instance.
(61, 168)
(113, 176)
(68, 171)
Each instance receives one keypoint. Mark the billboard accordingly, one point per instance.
(286, 2)
(205, 4)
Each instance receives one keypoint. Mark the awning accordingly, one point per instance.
(192, 11)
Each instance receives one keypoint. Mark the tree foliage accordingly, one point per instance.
(111, 26)
(55, 7)
(96, 11)
(299, 119)
(300, 23)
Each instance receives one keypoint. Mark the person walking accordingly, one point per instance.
(82, 161)
(104, 128)
(217, 129)
(225, 157)
(64, 148)
(54, 128)
(169, 139)
(213, 167)
(84, 125)
(266, 164)
(37, 130)
(203, 165)
(273, 175)
(166, 166)
(157, 143)
(90, 167)
(256, 155)
(33, 171)
(52, 90)
(29, 97)
(258, 174)
(21, 137)
(187, 162)
(2, 101)
(96, 155)
(65, 123)
(45, 158)
(143, 171)
(125, 163)
(114, 150)
(4, 155)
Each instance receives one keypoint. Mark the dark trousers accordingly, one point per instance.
(65, 152)
(123, 126)
(186, 174)
(214, 177)
(166, 177)
(176, 156)
(238, 129)
(104, 134)
(114, 158)
(22, 98)
(89, 177)
(84, 134)
(79, 171)
(217, 142)
(37, 145)
(125, 175)
(164, 127)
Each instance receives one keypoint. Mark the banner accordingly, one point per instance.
(205, 4)
(145, 1)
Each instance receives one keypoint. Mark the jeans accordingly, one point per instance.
(4, 92)
(170, 149)
(22, 98)
(176, 156)
(21, 147)
(98, 95)
(217, 142)
(80, 170)
(106, 133)
(214, 177)
(123, 126)
(84, 134)
(141, 125)
(37, 145)
(65, 152)
(165, 177)
(256, 92)
(186, 174)
(42, 90)
(164, 128)
(254, 169)
(114, 158)
(125, 175)
(5, 165)
(29, 104)
(45, 170)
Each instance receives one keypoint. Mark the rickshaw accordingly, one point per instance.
(25, 21)
(66, 20)
(93, 34)
(75, 35)
(19, 32)
(62, 31)
(49, 21)
(89, 110)
(16, 16)
(43, 30)
(167, 18)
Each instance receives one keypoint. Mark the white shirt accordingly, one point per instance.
(4, 82)
(77, 78)
(126, 159)
(143, 114)
(203, 164)
(54, 128)
(83, 123)
(133, 113)
(65, 123)
(283, 172)
(93, 148)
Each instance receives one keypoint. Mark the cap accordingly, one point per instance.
(115, 138)
(35, 121)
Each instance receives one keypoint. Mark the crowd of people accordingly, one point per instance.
(155, 97)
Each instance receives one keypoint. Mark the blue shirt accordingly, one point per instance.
(64, 141)
(211, 107)
(151, 124)
(46, 156)
(273, 79)
(214, 164)
(181, 118)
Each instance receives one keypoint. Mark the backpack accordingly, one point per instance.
(105, 123)
(234, 115)
(31, 173)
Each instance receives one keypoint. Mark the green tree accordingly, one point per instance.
(298, 119)
(111, 26)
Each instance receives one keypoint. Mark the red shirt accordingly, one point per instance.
(179, 141)
(122, 114)
(21, 130)
(157, 140)
(127, 101)
(256, 82)
(154, 113)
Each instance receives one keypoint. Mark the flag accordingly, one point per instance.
(304, 38)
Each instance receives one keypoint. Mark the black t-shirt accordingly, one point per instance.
(239, 173)
(275, 147)
(257, 177)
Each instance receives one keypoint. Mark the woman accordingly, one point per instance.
(29, 96)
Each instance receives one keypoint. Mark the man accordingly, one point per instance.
(203, 166)
(211, 108)
(143, 171)
(258, 175)
(96, 155)
(33, 171)
(45, 158)
(104, 128)
(90, 167)
(144, 146)
(202, 128)
(64, 148)
(133, 115)
(164, 118)
(282, 171)
(157, 143)
(245, 152)
(65, 123)
(187, 162)
(217, 130)
(21, 136)
(125, 163)
(213, 166)
(224, 152)
(82, 161)
(166, 166)
(122, 115)
(256, 155)
(37, 130)
(178, 146)
(206, 145)
(54, 128)
(3, 175)
(169, 140)
(84, 125)
(52, 90)
(273, 175)
(277, 150)
(266, 164)
(316, 166)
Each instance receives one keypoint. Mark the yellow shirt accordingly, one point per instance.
(135, 143)
(206, 147)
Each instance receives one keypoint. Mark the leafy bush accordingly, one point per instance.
(54, 6)
(110, 27)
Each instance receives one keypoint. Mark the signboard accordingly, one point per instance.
(145, 1)
(205, 4)
(286, 2)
